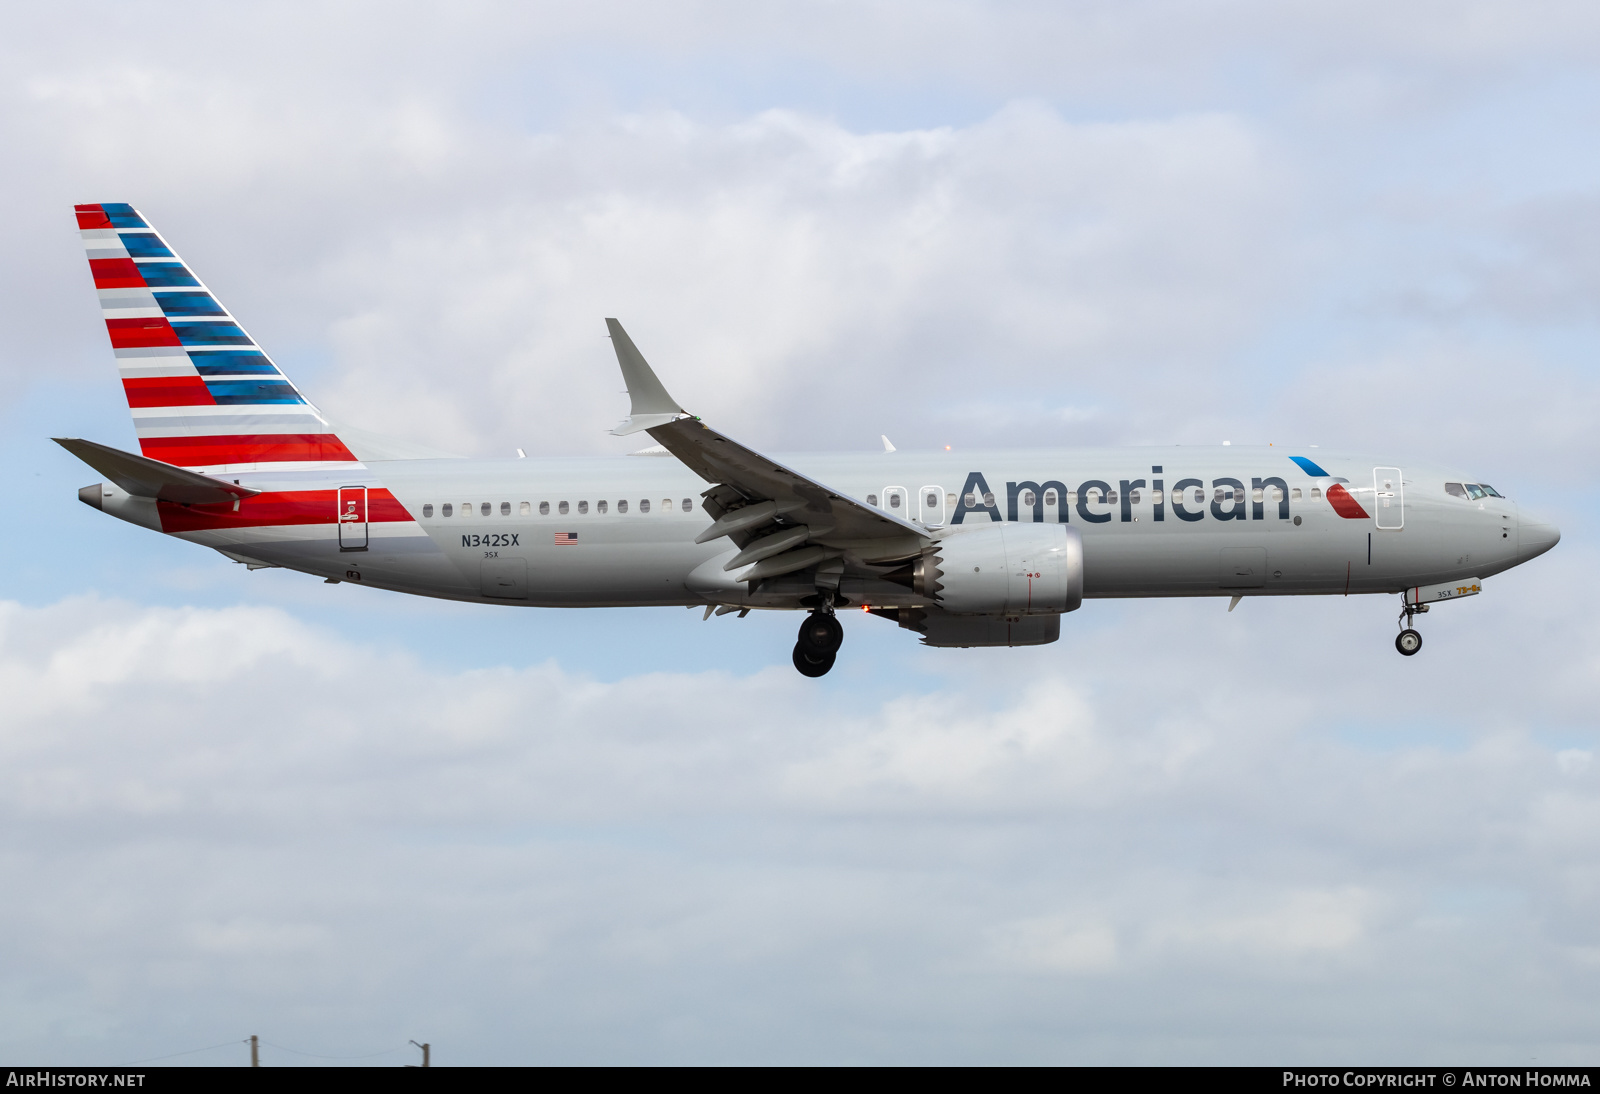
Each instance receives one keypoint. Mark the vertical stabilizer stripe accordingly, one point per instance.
(91, 216)
(215, 451)
(137, 333)
(168, 391)
(115, 273)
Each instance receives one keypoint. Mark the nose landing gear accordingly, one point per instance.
(1409, 641)
(821, 635)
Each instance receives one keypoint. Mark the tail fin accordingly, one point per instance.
(202, 393)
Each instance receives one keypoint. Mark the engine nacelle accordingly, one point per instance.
(1005, 569)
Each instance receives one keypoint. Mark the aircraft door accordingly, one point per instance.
(931, 499)
(897, 501)
(1389, 498)
(352, 518)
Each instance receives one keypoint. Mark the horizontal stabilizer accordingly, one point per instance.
(147, 478)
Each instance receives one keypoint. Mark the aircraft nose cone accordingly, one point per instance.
(1535, 537)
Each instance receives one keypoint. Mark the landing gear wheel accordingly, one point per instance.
(1408, 642)
(821, 633)
(808, 667)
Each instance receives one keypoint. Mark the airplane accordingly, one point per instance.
(962, 549)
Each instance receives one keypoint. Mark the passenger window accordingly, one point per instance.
(988, 499)
(1133, 496)
(622, 506)
(561, 507)
(1474, 491)
(600, 507)
(1316, 491)
(1295, 494)
(583, 508)
(544, 509)
(525, 510)
(932, 501)
(505, 509)
(1049, 497)
(1111, 498)
(972, 501)
(644, 505)
(1027, 498)
(427, 510)
(1257, 494)
(872, 499)
(445, 510)
(894, 501)
(466, 508)
(666, 505)
(688, 505)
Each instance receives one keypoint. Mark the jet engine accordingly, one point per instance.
(1004, 569)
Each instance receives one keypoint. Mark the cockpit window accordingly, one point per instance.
(1474, 491)
(1455, 490)
(1491, 491)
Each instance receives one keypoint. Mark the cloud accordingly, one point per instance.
(430, 255)
(228, 803)
(1055, 945)
(894, 276)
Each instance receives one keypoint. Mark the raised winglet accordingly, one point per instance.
(651, 405)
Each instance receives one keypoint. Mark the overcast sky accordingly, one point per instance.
(236, 803)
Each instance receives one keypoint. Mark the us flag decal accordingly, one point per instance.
(566, 539)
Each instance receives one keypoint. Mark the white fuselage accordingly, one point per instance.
(590, 532)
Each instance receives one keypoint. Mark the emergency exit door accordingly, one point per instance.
(352, 518)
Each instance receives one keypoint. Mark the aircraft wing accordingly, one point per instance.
(146, 478)
(748, 484)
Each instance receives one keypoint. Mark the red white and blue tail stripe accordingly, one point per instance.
(203, 394)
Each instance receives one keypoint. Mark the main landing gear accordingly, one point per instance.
(1409, 641)
(821, 635)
